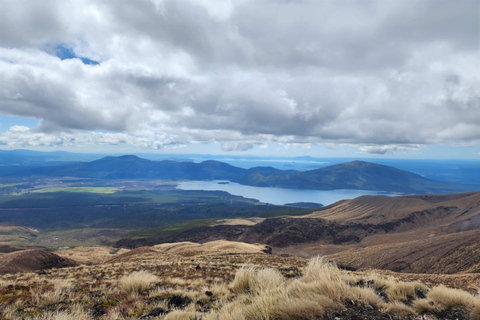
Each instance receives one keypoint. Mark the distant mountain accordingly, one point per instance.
(29, 157)
(133, 167)
(350, 175)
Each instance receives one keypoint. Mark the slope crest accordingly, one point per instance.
(32, 260)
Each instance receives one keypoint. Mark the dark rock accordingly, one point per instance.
(382, 295)
(420, 294)
(98, 310)
(42, 272)
(209, 293)
(204, 309)
(179, 302)
(460, 312)
(346, 268)
(198, 267)
(267, 250)
(156, 312)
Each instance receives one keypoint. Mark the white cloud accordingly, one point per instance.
(383, 76)
(24, 137)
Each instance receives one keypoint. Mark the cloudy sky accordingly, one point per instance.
(336, 78)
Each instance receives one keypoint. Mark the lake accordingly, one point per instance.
(278, 196)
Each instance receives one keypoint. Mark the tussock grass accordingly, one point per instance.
(403, 291)
(301, 309)
(77, 313)
(399, 308)
(449, 297)
(266, 294)
(246, 286)
(422, 306)
(136, 282)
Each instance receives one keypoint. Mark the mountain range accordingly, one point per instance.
(359, 175)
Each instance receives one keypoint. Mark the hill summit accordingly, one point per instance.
(359, 175)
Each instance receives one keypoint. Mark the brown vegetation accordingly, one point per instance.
(451, 253)
(222, 280)
(32, 260)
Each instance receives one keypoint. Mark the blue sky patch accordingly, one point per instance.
(64, 53)
(7, 121)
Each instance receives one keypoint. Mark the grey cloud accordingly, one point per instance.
(382, 75)
(383, 149)
(235, 146)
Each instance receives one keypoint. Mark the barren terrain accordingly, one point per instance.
(227, 280)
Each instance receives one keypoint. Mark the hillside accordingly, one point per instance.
(351, 175)
(229, 280)
(32, 260)
(444, 254)
(419, 234)
(444, 209)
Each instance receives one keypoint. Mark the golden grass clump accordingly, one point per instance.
(301, 309)
(241, 283)
(266, 294)
(449, 297)
(403, 291)
(326, 279)
(180, 315)
(266, 281)
(136, 282)
(400, 309)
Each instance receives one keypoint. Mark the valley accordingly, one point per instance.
(74, 234)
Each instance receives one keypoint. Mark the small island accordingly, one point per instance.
(304, 205)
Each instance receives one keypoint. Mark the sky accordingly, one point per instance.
(385, 78)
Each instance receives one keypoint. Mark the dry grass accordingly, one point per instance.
(136, 282)
(423, 306)
(218, 246)
(266, 294)
(77, 313)
(449, 297)
(216, 285)
(93, 255)
(238, 221)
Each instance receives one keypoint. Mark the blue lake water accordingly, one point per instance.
(279, 196)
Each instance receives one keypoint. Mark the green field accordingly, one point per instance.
(172, 229)
(103, 190)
